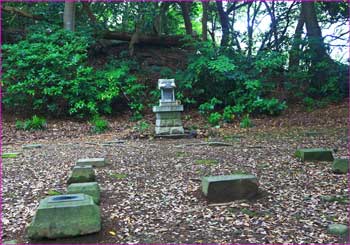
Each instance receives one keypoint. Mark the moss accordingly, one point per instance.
(207, 162)
(118, 176)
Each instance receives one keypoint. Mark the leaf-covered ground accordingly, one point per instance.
(151, 187)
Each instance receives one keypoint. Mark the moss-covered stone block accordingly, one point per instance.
(229, 187)
(32, 146)
(314, 154)
(81, 174)
(95, 162)
(340, 166)
(5, 155)
(90, 188)
(338, 229)
(10, 242)
(65, 216)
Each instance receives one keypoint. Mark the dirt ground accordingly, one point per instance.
(151, 187)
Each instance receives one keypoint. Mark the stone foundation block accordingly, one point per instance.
(229, 187)
(90, 188)
(340, 166)
(169, 130)
(81, 174)
(95, 162)
(314, 154)
(65, 216)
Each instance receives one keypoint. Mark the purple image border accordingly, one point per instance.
(1, 1)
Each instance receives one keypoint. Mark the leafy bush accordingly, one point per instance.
(99, 125)
(207, 107)
(35, 123)
(48, 72)
(131, 90)
(246, 122)
(213, 73)
(214, 118)
(142, 126)
(229, 114)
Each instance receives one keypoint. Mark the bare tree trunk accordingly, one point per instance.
(224, 23)
(205, 21)
(185, 8)
(69, 16)
(313, 31)
(294, 53)
(271, 11)
(92, 17)
(163, 18)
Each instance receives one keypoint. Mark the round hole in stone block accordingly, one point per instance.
(67, 198)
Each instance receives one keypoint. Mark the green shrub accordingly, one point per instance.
(48, 72)
(207, 107)
(269, 106)
(228, 114)
(142, 126)
(214, 118)
(214, 73)
(99, 125)
(246, 122)
(35, 123)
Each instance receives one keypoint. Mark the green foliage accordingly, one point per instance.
(142, 126)
(269, 106)
(238, 86)
(214, 118)
(206, 162)
(53, 192)
(118, 176)
(246, 122)
(48, 72)
(207, 107)
(131, 90)
(5, 155)
(228, 114)
(99, 125)
(35, 123)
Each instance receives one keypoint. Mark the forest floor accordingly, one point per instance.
(151, 187)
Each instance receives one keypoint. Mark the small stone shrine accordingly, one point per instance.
(168, 113)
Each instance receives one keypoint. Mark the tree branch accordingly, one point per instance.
(22, 13)
(234, 7)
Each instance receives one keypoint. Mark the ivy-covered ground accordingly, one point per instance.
(151, 187)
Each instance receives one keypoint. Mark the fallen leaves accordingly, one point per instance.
(151, 191)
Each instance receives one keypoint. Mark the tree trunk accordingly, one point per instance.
(294, 53)
(314, 33)
(185, 8)
(69, 16)
(271, 11)
(205, 21)
(224, 23)
(164, 7)
(92, 17)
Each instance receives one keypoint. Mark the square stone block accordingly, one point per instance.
(229, 187)
(169, 130)
(168, 122)
(32, 146)
(168, 115)
(65, 216)
(168, 108)
(90, 188)
(81, 174)
(314, 154)
(95, 162)
(340, 166)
